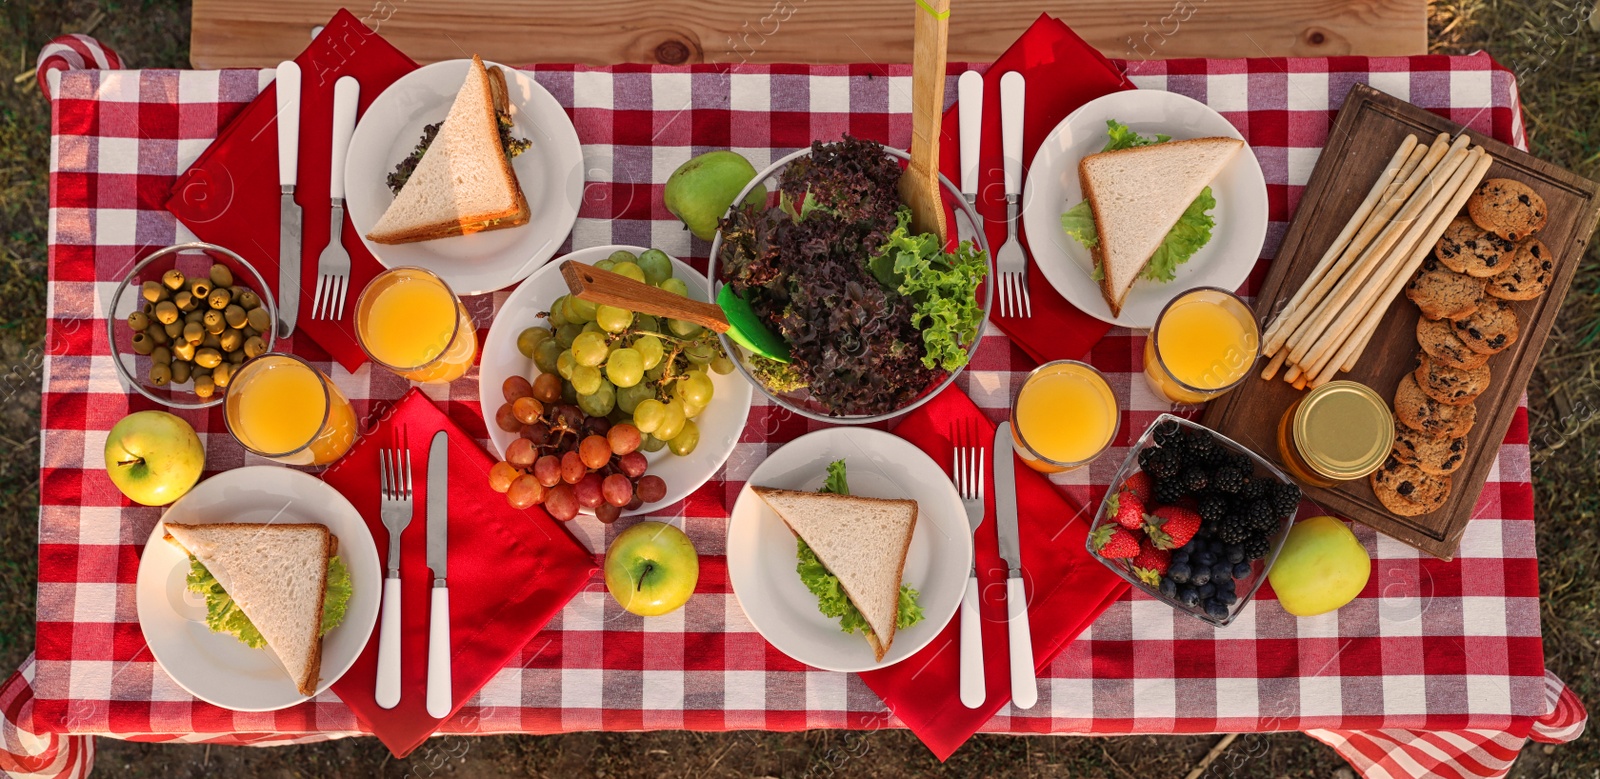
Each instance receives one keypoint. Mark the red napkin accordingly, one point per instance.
(230, 195)
(510, 571)
(1063, 72)
(1067, 590)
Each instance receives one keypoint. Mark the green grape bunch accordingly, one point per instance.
(631, 367)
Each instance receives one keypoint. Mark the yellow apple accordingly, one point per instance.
(651, 568)
(153, 457)
(1322, 567)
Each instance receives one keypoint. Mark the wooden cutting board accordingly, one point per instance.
(1369, 128)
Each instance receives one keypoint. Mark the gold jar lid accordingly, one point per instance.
(1343, 430)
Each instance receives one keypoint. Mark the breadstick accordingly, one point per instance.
(1353, 282)
(1353, 348)
(1387, 267)
(1274, 364)
(1408, 177)
(1357, 221)
(1383, 226)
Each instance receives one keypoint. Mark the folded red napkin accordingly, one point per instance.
(1067, 590)
(510, 571)
(230, 195)
(1063, 72)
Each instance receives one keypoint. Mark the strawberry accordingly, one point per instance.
(1126, 508)
(1111, 541)
(1151, 563)
(1171, 526)
(1140, 484)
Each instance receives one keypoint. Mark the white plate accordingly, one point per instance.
(550, 172)
(720, 424)
(1240, 214)
(215, 667)
(761, 548)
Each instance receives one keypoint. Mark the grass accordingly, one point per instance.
(1550, 44)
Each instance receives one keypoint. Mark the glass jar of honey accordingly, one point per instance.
(1337, 432)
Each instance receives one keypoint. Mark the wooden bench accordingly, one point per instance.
(231, 33)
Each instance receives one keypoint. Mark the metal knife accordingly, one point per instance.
(289, 216)
(1024, 685)
(439, 695)
(969, 96)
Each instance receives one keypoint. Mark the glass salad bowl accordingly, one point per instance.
(801, 401)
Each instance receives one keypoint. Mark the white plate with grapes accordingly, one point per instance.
(636, 349)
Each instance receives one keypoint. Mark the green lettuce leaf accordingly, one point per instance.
(1078, 221)
(1123, 138)
(942, 287)
(223, 615)
(836, 483)
(831, 599)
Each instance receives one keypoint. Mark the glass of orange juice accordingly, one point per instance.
(1064, 416)
(1203, 344)
(408, 321)
(282, 408)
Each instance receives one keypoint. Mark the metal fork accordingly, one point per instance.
(968, 478)
(333, 265)
(394, 482)
(1011, 262)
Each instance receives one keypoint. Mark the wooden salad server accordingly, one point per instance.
(731, 314)
(919, 185)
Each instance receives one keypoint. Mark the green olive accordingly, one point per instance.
(149, 309)
(231, 340)
(174, 330)
(213, 322)
(211, 341)
(248, 298)
(159, 335)
(204, 386)
(180, 371)
(222, 374)
(161, 354)
(194, 317)
(235, 316)
(200, 288)
(142, 343)
(255, 347)
(193, 332)
(220, 298)
(259, 320)
(207, 358)
(196, 371)
(183, 350)
(160, 374)
(166, 312)
(184, 300)
(151, 291)
(138, 320)
(249, 332)
(173, 279)
(236, 357)
(221, 276)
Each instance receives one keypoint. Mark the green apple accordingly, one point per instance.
(700, 190)
(651, 568)
(1322, 567)
(153, 457)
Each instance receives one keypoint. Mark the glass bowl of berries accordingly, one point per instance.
(1194, 519)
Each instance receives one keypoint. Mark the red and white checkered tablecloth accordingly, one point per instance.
(1431, 645)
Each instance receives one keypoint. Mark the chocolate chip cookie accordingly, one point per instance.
(1407, 490)
(1426, 415)
(1439, 456)
(1529, 273)
(1442, 293)
(1467, 248)
(1507, 208)
(1438, 338)
(1450, 386)
(1490, 329)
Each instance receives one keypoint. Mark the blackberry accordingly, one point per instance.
(1195, 479)
(1257, 547)
(1163, 465)
(1167, 432)
(1261, 514)
(1218, 456)
(1212, 508)
(1255, 488)
(1234, 529)
(1242, 461)
(1227, 479)
(1264, 524)
(1285, 499)
(1169, 491)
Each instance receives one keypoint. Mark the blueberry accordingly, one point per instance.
(1187, 596)
(1169, 588)
(1223, 585)
(1179, 572)
(1204, 559)
(1180, 557)
(1222, 570)
(1241, 571)
(1200, 576)
(1216, 546)
(1216, 610)
(1226, 598)
(1206, 590)
(1235, 553)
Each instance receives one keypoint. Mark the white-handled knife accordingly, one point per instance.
(969, 96)
(439, 693)
(1024, 685)
(289, 216)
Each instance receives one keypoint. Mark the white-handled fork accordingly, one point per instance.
(1011, 261)
(333, 265)
(968, 472)
(394, 482)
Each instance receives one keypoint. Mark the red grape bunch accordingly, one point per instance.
(566, 460)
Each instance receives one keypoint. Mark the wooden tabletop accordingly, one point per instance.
(254, 33)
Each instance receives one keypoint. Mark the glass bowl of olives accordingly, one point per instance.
(185, 318)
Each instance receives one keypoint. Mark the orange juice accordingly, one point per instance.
(1064, 416)
(282, 408)
(1203, 344)
(410, 322)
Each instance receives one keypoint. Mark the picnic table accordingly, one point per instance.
(1438, 667)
